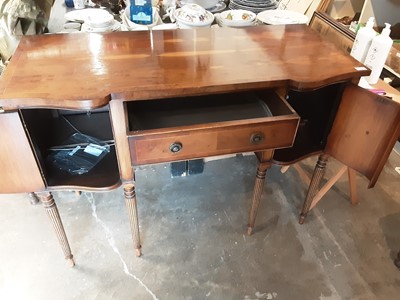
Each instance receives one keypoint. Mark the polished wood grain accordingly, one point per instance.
(19, 169)
(203, 142)
(119, 119)
(85, 70)
(364, 132)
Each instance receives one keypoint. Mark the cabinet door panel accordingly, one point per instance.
(19, 170)
(365, 130)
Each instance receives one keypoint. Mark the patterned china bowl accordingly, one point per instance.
(237, 18)
(193, 15)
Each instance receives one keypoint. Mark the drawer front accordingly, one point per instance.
(204, 142)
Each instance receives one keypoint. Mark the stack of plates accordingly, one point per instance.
(255, 6)
(94, 20)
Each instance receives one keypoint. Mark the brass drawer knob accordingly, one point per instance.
(257, 138)
(175, 147)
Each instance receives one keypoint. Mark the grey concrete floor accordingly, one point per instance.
(194, 242)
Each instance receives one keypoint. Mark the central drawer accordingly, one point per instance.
(168, 130)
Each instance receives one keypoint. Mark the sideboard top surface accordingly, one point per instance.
(88, 70)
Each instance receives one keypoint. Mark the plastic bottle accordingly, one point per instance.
(377, 54)
(363, 40)
(141, 12)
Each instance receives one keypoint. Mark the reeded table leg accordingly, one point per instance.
(51, 209)
(318, 174)
(130, 201)
(258, 188)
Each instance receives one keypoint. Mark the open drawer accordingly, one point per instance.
(193, 127)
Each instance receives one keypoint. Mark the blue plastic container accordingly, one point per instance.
(141, 12)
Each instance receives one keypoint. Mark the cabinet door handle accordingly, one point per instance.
(257, 138)
(175, 147)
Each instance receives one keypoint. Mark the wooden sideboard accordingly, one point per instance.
(162, 96)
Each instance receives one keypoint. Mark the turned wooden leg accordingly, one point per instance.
(51, 209)
(397, 260)
(258, 188)
(130, 201)
(318, 174)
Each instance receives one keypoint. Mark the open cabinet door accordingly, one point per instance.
(19, 171)
(364, 132)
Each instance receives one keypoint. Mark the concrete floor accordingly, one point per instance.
(194, 246)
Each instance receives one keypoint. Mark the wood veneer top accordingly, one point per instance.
(87, 70)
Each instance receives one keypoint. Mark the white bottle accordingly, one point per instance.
(377, 54)
(363, 40)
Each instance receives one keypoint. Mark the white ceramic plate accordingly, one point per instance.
(281, 17)
(80, 15)
(115, 27)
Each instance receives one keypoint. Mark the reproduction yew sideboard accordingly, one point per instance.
(282, 92)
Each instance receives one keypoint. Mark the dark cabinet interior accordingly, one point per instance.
(317, 110)
(49, 129)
